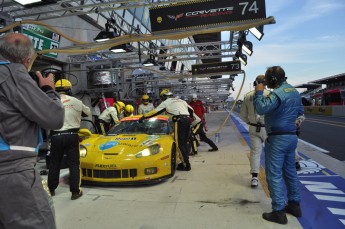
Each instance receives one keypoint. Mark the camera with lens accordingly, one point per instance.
(34, 77)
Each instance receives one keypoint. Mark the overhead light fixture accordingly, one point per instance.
(258, 32)
(245, 45)
(242, 57)
(121, 48)
(26, 2)
(106, 34)
(34, 2)
(150, 62)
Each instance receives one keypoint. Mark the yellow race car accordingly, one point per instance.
(130, 153)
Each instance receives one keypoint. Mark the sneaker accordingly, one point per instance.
(76, 195)
(276, 217)
(254, 182)
(52, 192)
(293, 209)
(214, 149)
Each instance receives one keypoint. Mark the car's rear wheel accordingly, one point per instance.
(173, 159)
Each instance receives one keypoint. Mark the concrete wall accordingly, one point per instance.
(325, 110)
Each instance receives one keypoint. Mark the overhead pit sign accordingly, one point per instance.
(42, 38)
(229, 66)
(203, 13)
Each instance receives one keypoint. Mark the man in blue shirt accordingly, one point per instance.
(281, 109)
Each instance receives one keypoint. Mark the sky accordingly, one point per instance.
(307, 41)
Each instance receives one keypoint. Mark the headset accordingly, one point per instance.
(275, 75)
(259, 79)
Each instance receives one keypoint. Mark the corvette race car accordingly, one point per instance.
(130, 153)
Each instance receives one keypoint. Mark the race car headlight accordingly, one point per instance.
(82, 151)
(151, 150)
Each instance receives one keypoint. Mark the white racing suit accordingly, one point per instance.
(257, 130)
(181, 113)
(25, 108)
(66, 141)
(143, 109)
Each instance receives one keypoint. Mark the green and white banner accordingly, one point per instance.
(42, 38)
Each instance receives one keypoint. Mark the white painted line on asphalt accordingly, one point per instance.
(337, 211)
(314, 146)
(235, 115)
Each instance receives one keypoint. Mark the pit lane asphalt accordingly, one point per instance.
(216, 193)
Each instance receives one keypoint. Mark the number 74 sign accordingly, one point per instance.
(211, 12)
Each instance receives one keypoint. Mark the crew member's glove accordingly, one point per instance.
(141, 119)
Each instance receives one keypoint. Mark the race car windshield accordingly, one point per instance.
(151, 126)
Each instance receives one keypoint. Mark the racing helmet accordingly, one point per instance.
(129, 109)
(64, 86)
(165, 93)
(119, 106)
(145, 99)
(274, 76)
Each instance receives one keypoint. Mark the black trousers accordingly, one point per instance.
(102, 126)
(182, 128)
(199, 129)
(64, 144)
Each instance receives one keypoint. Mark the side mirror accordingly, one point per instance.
(84, 132)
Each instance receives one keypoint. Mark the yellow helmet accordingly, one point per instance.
(63, 85)
(129, 109)
(119, 106)
(165, 93)
(145, 99)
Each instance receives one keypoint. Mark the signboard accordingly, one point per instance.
(203, 13)
(229, 66)
(42, 38)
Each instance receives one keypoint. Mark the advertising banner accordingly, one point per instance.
(229, 66)
(42, 38)
(203, 13)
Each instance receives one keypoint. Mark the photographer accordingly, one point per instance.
(25, 109)
(257, 131)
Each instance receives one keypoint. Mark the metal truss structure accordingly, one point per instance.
(195, 51)
(99, 12)
(66, 8)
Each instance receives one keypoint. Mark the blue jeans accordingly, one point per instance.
(280, 164)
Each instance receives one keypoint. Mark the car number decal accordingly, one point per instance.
(126, 138)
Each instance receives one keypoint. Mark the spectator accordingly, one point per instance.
(281, 109)
(26, 106)
(181, 113)
(257, 131)
(145, 105)
(66, 141)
